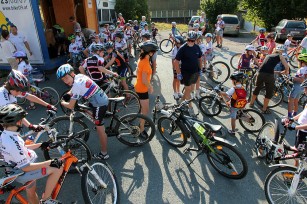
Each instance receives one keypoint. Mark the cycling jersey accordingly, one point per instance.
(245, 61)
(84, 87)
(128, 34)
(24, 68)
(144, 31)
(6, 98)
(121, 45)
(91, 65)
(12, 148)
(303, 118)
(261, 39)
(74, 48)
(119, 61)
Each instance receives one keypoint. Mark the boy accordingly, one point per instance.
(74, 49)
(288, 43)
(235, 98)
(83, 86)
(128, 36)
(154, 30)
(121, 45)
(261, 38)
(80, 38)
(143, 22)
(174, 29)
(15, 152)
(176, 83)
(145, 30)
(209, 48)
(136, 27)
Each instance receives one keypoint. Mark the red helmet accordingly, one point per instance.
(17, 81)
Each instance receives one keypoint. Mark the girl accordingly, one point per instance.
(245, 59)
(271, 43)
(260, 39)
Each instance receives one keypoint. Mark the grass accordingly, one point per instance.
(168, 26)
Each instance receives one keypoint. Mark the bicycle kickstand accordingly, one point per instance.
(194, 157)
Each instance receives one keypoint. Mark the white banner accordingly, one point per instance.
(20, 13)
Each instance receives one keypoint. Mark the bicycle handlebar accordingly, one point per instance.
(70, 137)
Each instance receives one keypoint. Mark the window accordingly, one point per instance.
(281, 23)
(296, 24)
(230, 20)
(105, 4)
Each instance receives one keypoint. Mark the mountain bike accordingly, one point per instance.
(234, 60)
(98, 181)
(303, 100)
(175, 127)
(211, 105)
(126, 128)
(286, 183)
(293, 54)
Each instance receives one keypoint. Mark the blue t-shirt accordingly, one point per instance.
(174, 31)
(189, 57)
(136, 28)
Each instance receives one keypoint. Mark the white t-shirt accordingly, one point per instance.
(144, 31)
(78, 40)
(18, 40)
(209, 46)
(287, 43)
(74, 47)
(304, 43)
(202, 47)
(84, 87)
(232, 90)
(121, 45)
(6, 98)
(302, 72)
(24, 68)
(12, 148)
(7, 48)
(219, 25)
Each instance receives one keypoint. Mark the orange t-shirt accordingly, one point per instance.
(143, 67)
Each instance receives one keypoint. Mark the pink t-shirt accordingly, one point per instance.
(271, 45)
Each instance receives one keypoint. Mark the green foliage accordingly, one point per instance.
(132, 9)
(213, 8)
(272, 11)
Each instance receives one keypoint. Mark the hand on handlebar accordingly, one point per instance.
(291, 126)
(56, 163)
(35, 128)
(51, 107)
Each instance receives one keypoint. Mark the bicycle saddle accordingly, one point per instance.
(214, 128)
(38, 80)
(118, 99)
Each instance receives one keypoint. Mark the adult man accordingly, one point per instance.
(19, 40)
(190, 56)
(219, 27)
(76, 25)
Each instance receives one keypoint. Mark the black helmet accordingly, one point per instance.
(108, 45)
(97, 47)
(304, 84)
(146, 35)
(17, 81)
(119, 35)
(238, 76)
(149, 47)
(179, 39)
(10, 114)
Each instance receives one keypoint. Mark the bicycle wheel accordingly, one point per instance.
(67, 111)
(234, 61)
(62, 125)
(130, 105)
(227, 161)
(166, 45)
(267, 132)
(184, 35)
(275, 100)
(251, 120)
(294, 61)
(277, 186)
(172, 131)
(130, 80)
(286, 88)
(303, 100)
(210, 106)
(220, 72)
(92, 190)
(50, 95)
(129, 132)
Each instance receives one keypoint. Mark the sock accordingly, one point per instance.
(294, 114)
(289, 114)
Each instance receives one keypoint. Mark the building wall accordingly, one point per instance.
(173, 5)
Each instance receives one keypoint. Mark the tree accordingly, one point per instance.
(213, 8)
(132, 9)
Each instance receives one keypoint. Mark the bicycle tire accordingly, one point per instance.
(215, 104)
(172, 139)
(54, 123)
(251, 120)
(67, 111)
(266, 133)
(166, 46)
(303, 100)
(218, 68)
(129, 132)
(130, 80)
(281, 178)
(286, 88)
(276, 99)
(184, 35)
(220, 157)
(129, 105)
(76, 147)
(48, 98)
(234, 60)
(100, 194)
(293, 61)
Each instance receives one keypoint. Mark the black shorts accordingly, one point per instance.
(189, 79)
(143, 96)
(301, 137)
(98, 114)
(122, 71)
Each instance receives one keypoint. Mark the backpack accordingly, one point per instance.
(238, 99)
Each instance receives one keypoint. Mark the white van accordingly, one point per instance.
(232, 24)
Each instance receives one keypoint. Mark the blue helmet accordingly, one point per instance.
(64, 70)
(19, 54)
(109, 45)
(208, 35)
(262, 30)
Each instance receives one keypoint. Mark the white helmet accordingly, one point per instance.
(280, 48)
(250, 48)
(196, 25)
(173, 23)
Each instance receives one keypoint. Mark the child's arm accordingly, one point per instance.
(34, 146)
(106, 71)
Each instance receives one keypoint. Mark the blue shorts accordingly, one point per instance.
(233, 112)
(296, 91)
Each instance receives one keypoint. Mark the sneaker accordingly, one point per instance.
(233, 133)
(180, 95)
(176, 97)
(50, 201)
(101, 156)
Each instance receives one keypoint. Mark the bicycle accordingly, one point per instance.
(287, 184)
(167, 45)
(126, 128)
(217, 71)
(303, 100)
(234, 60)
(97, 178)
(211, 105)
(293, 54)
(175, 127)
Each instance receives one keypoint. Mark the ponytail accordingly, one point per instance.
(143, 54)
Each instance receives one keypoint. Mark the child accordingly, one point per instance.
(260, 39)
(128, 36)
(288, 43)
(247, 57)
(209, 49)
(236, 98)
(112, 33)
(80, 38)
(176, 83)
(15, 152)
(136, 27)
(74, 49)
(296, 91)
(145, 30)
(196, 27)
(174, 29)
(154, 30)
(263, 53)
(143, 22)
(121, 45)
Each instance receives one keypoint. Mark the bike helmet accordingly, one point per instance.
(78, 30)
(250, 48)
(130, 21)
(179, 39)
(64, 70)
(262, 30)
(302, 57)
(199, 35)
(290, 35)
(192, 35)
(146, 35)
(10, 114)
(17, 81)
(219, 16)
(145, 24)
(128, 24)
(19, 54)
(152, 23)
(120, 14)
(304, 84)
(109, 45)
(208, 35)
(280, 48)
(135, 21)
(196, 26)
(238, 76)
(173, 23)
(119, 35)
(149, 47)
(72, 36)
(97, 47)
(112, 27)
(264, 48)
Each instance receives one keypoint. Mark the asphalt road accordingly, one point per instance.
(158, 173)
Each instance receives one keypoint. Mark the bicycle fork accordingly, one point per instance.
(95, 175)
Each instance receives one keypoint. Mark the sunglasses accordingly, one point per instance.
(191, 40)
